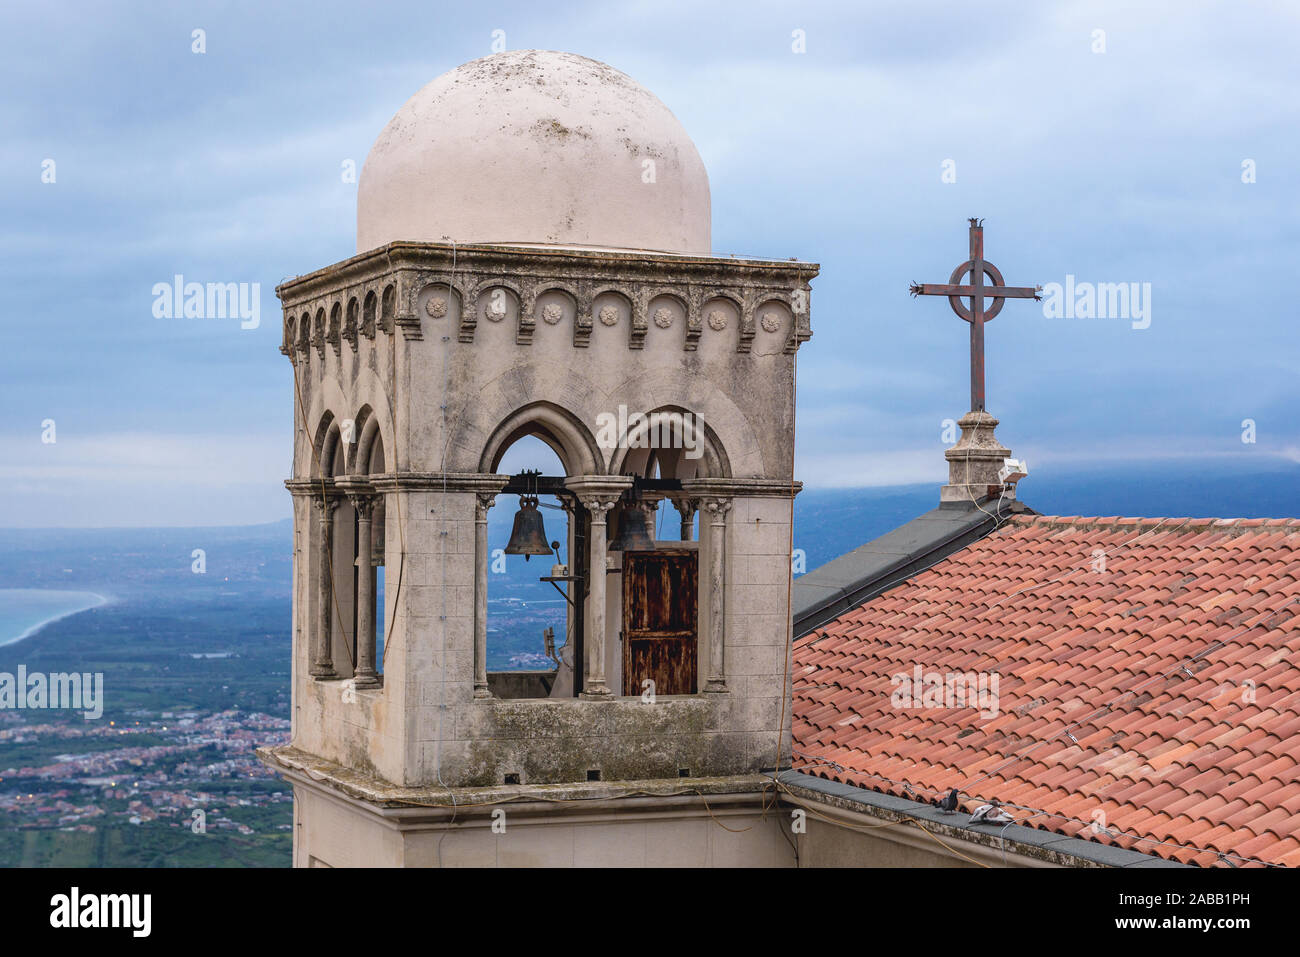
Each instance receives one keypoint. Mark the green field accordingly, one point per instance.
(154, 844)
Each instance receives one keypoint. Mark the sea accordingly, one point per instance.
(25, 611)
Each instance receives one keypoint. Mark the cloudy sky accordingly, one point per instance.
(1112, 156)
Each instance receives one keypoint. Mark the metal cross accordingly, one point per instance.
(976, 314)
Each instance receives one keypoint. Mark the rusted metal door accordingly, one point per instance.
(660, 620)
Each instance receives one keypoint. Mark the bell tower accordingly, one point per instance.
(655, 371)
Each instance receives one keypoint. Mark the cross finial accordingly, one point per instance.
(975, 313)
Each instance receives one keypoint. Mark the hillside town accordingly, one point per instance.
(182, 769)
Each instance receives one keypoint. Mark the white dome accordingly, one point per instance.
(533, 146)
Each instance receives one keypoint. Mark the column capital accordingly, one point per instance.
(685, 504)
(717, 506)
(482, 502)
(364, 503)
(687, 507)
(599, 493)
(325, 506)
(598, 505)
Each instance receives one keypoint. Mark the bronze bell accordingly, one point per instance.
(529, 535)
(636, 528)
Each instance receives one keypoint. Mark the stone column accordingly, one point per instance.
(598, 494)
(481, 559)
(593, 684)
(717, 509)
(322, 666)
(686, 508)
(366, 676)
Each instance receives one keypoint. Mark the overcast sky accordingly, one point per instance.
(1117, 166)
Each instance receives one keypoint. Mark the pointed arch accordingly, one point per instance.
(712, 462)
(560, 429)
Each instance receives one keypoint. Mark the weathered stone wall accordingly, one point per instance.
(442, 356)
(696, 830)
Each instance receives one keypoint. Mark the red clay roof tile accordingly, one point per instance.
(1160, 698)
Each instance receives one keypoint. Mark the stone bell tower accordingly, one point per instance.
(535, 260)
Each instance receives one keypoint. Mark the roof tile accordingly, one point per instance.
(1159, 698)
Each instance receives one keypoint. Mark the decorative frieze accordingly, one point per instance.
(405, 285)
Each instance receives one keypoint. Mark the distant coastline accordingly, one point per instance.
(40, 601)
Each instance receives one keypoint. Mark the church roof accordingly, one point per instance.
(1139, 676)
(857, 576)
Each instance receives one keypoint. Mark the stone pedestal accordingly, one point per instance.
(974, 462)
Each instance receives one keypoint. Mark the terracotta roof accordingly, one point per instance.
(1147, 682)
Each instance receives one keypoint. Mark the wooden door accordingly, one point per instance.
(660, 620)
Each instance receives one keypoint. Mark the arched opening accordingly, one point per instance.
(368, 309)
(533, 605)
(359, 548)
(333, 536)
(656, 559)
(351, 550)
